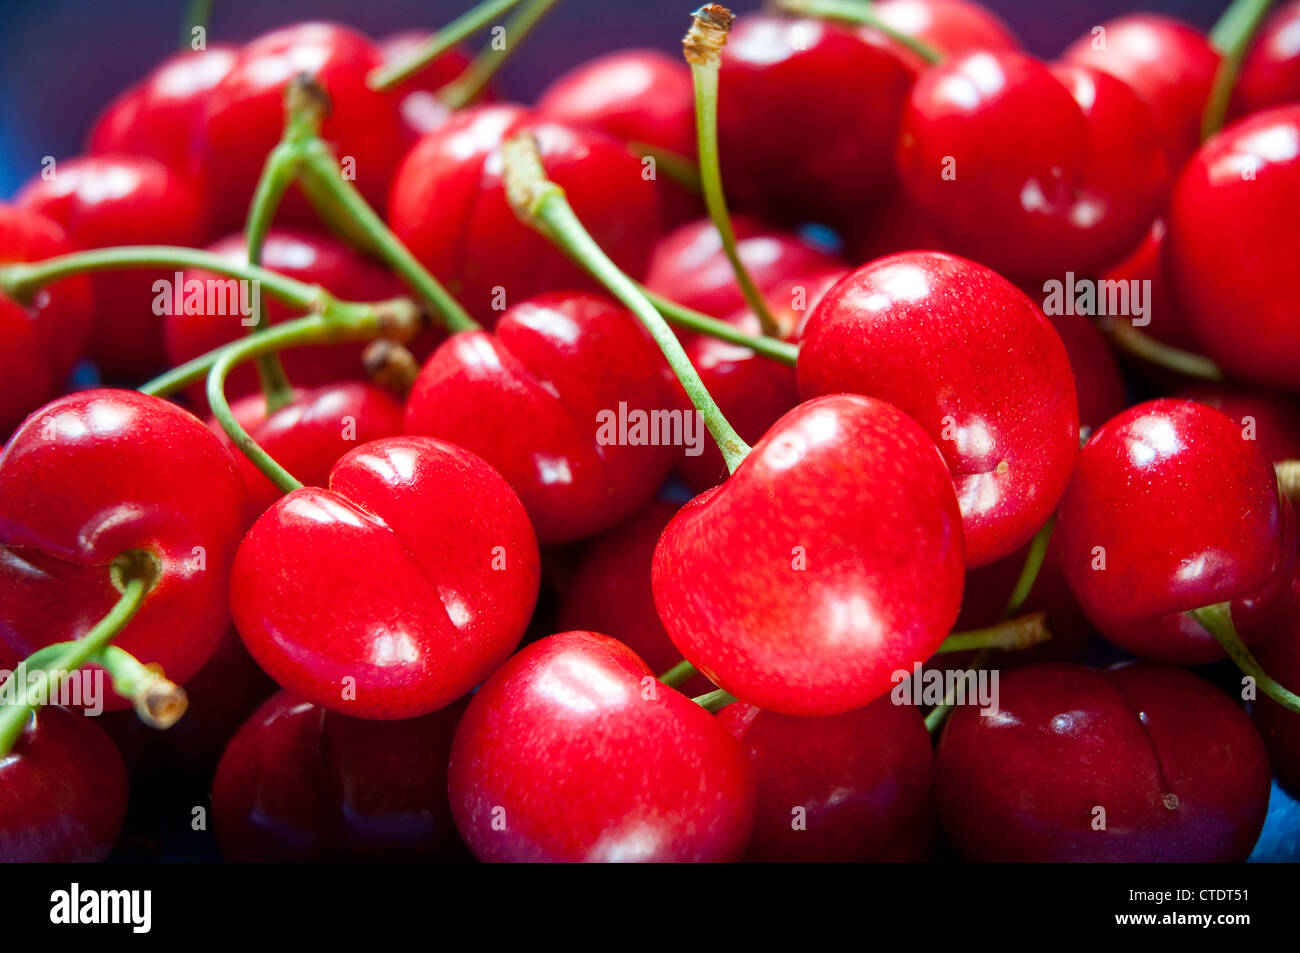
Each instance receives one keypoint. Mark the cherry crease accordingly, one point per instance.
(396, 590)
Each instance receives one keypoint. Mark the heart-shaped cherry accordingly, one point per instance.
(1136, 764)
(1270, 73)
(997, 395)
(843, 561)
(300, 783)
(396, 590)
(573, 752)
(421, 109)
(852, 787)
(162, 485)
(63, 791)
(564, 399)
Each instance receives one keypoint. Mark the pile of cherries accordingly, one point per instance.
(424, 607)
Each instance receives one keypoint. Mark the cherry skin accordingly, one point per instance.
(243, 116)
(585, 757)
(997, 395)
(63, 792)
(1168, 63)
(893, 226)
(1097, 382)
(1270, 73)
(421, 110)
(530, 399)
(787, 146)
(1280, 657)
(1166, 323)
(1271, 420)
(950, 26)
(788, 585)
(858, 784)
(162, 484)
(121, 200)
(1183, 513)
(41, 341)
(309, 435)
(1177, 767)
(299, 783)
(1228, 254)
(448, 204)
(396, 590)
(1083, 181)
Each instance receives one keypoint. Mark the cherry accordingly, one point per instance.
(244, 114)
(815, 606)
(298, 783)
(950, 26)
(63, 792)
(40, 341)
(1270, 73)
(421, 110)
(121, 200)
(1139, 763)
(1271, 420)
(997, 395)
(852, 787)
(1280, 656)
(893, 226)
(1168, 63)
(396, 590)
(1143, 264)
(573, 752)
(309, 435)
(1097, 382)
(1065, 161)
(1227, 253)
(1171, 510)
(542, 399)
(448, 204)
(791, 149)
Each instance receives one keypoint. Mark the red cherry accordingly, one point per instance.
(308, 436)
(448, 204)
(1228, 253)
(997, 395)
(121, 200)
(1272, 421)
(1270, 73)
(788, 146)
(393, 592)
(534, 399)
(1084, 179)
(852, 787)
(950, 26)
(1168, 63)
(157, 117)
(421, 110)
(161, 483)
(1166, 323)
(1280, 657)
(63, 792)
(1177, 768)
(816, 605)
(573, 752)
(244, 116)
(39, 343)
(1097, 382)
(1183, 513)
(299, 783)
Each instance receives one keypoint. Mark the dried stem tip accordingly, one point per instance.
(162, 703)
(1288, 477)
(391, 366)
(304, 96)
(707, 36)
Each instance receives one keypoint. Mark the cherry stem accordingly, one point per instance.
(469, 85)
(715, 700)
(158, 701)
(1029, 571)
(134, 574)
(861, 14)
(1011, 635)
(1217, 620)
(679, 674)
(391, 366)
(540, 203)
(384, 78)
(1147, 348)
(1288, 478)
(702, 48)
(682, 170)
(1231, 36)
(684, 317)
(197, 14)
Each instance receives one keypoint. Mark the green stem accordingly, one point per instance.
(541, 204)
(682, 170)
(679, 674)
(1231, 36)
(858, 13)
(467, 87)
(1029, 571)
(197, 13)
(391, 74)
(158, 701)
(1010, 635)
(1147, 348)
(715, 700)
(1217, 620)
(684, 317)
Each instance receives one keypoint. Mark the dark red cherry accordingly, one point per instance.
(300, 783)
(1280, 657)
(100, 473)
(421, 109)
(1164, 320)
(1229, 255)
(63, 792)
(1136, 764)
(852, 787)
(552, 399)
(1170, 510)
(895, 225)
(996, 394)
(1271, 420)
(122, 200)
(1082, 181)
(396, 590)
(448, 204)
(841, 560)
(1270, 73)
(1097, 382)
(573, 752)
